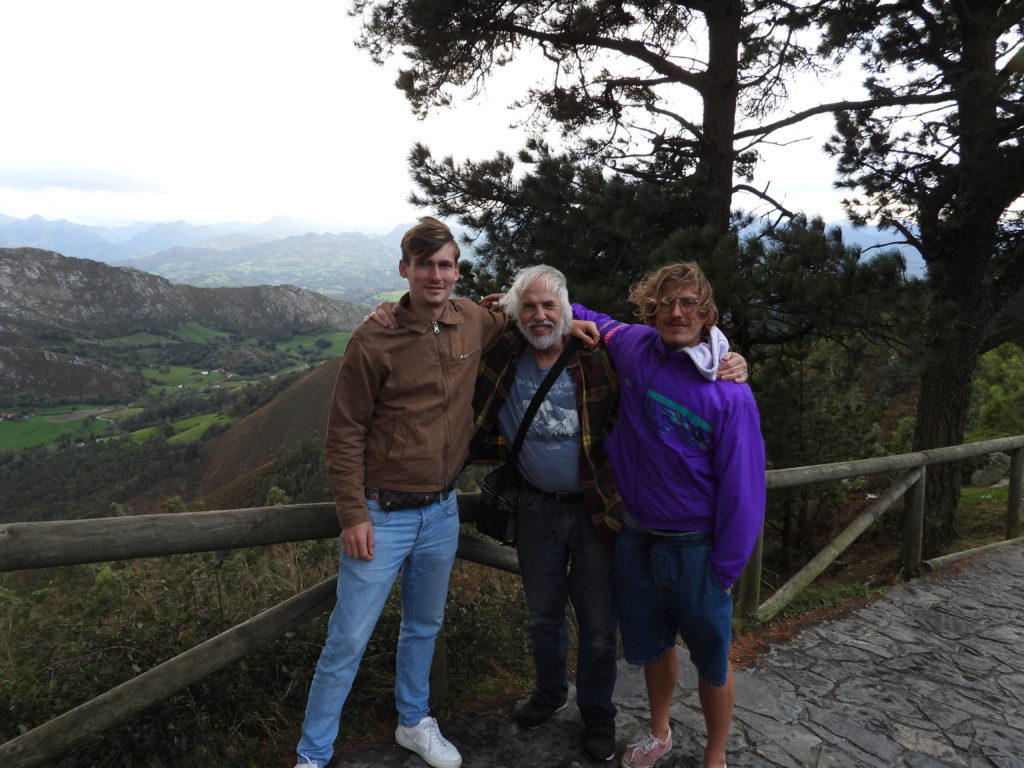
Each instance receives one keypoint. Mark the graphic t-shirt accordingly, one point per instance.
(549, 458)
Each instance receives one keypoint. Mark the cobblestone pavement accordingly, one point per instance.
(930, 676)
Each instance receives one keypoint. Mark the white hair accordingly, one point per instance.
(554, 281)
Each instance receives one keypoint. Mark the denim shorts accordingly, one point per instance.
(664, 587)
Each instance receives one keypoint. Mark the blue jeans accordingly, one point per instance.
(562, 558)
(420, 543)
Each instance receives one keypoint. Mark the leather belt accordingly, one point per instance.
(391, 500)
(562, 497)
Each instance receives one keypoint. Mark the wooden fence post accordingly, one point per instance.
(749, 596)
(1016, 489)
(913, 528)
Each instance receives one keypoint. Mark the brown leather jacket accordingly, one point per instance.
(401, 415)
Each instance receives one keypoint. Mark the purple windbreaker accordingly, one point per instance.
(687, 453)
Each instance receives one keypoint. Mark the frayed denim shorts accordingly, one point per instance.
(664, 588)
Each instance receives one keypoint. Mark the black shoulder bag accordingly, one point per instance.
(499, 491)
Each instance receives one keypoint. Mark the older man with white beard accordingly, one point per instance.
(569, 510)
(569, 506)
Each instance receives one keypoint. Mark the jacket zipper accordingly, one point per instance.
(446, 429)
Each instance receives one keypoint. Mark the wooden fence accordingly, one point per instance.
(914, 466)
(70, 542)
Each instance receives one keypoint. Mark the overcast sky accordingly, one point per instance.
(117, 111)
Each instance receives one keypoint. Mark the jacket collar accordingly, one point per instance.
(450, 315)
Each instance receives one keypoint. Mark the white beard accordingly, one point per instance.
(541, 342)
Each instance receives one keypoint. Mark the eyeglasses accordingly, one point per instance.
(687, 305)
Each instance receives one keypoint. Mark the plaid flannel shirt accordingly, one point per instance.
(597, 394)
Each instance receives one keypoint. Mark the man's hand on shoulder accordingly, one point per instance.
(733, 368)
(384, 314)
(357, 541)
(586, 331)
(492, 301)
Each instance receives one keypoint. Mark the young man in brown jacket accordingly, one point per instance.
(398, 435)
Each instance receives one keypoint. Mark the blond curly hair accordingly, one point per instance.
(647, 294)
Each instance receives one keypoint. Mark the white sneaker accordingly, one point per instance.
(305, 762)
(425, 740)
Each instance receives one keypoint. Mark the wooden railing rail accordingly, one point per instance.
(825, 557)
(843, 470)
(72, 542)
(913, 482)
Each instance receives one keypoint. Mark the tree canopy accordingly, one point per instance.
(624, 79)
(938, 155)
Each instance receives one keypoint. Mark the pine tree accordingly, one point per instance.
(938, 155)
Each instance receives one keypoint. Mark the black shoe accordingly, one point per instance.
(535, 712)
(599, 740)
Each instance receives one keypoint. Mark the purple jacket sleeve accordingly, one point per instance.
(739, 467)
(606, 326)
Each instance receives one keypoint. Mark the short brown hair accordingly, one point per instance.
(426, 239)
(647, 293)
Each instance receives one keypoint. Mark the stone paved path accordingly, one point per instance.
(931, 676)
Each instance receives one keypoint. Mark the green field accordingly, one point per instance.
(48, 426)
(188, 332)
(384, 296)
(297, 344)
(199, 333)
(185, 431)
(190, 430)
(166, 378)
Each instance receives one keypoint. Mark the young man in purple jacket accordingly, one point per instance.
(689, 464)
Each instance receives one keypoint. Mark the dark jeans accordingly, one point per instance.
(562, 558)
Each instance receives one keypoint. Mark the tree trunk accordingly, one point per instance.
(958, 317)
(941, 421)
(719, 92)
(959, 222)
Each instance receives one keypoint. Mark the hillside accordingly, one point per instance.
(293, 415)
(53, 310)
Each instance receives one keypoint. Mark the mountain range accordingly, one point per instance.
(346, 265)
(281, 251)
(111, 244)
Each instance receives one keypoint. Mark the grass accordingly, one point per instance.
(982, 516)
(122, 413)
(297, 344)
(190, 430)
(173, 377)
(132, 341)
(185, 431)
(43, 430)
(384, 296)
(193, 331)
(59, 410)
(142, 435)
